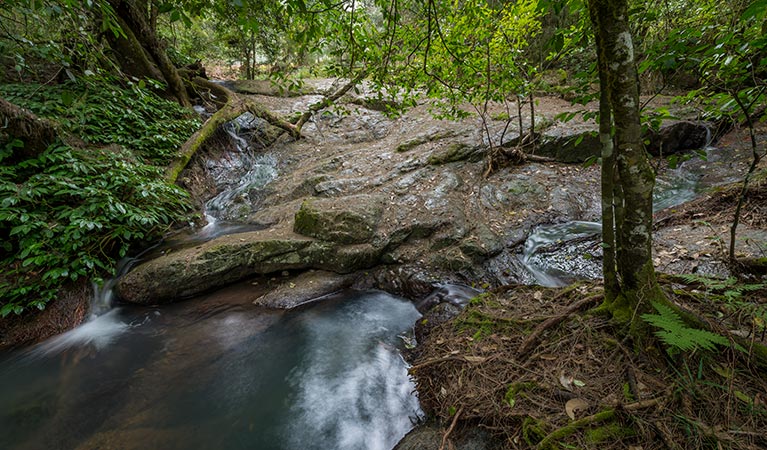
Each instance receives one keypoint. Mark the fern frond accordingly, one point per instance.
(673, 332)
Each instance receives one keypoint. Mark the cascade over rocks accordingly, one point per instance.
(401, 210)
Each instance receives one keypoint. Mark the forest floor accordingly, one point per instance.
(537, 368)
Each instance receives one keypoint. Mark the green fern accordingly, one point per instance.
(677, 335)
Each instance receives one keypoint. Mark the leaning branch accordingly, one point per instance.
(329, 100)
(231, 106)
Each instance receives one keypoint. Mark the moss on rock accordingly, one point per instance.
(347, 220)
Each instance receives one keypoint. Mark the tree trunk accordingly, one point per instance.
(638, 284)
(134, 17)
(131, 56)
(609, 269)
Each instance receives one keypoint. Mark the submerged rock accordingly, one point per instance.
(429, 437)
(304, 288)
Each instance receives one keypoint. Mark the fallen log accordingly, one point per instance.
(19, 123)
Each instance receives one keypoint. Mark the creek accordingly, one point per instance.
(557, 254)
(219, 372)
(230, 376)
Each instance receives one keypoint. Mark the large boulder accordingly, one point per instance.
(678, 137)
(672, 138)
(345, 220)
(191, 271)
(571, 148)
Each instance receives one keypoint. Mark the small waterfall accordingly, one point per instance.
(102, 326)
(559, 267)
(237, 200)
(241, 175)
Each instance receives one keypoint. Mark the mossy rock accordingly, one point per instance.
(608, 433)
(571, 149)
(346, 220)
(482, 243)
(456, 152)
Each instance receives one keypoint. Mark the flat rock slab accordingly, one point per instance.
(305, 288)
(191, 271)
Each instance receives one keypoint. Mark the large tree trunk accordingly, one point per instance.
(131, 56)
(135, 21)
(19, 123)
(638, 284)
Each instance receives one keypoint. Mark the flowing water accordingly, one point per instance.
(557, 254)
(218, 372)
(229, 376)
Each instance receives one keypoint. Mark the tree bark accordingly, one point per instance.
(609, 269)
(638, 283)
(136, 20)
(131, 55)
(19, 123)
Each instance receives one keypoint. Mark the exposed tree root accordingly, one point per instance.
(534, 338)
(602, 416)
(450, 429)
(502, 156)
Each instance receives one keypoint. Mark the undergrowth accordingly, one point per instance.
(74, 209)
(100, 112)
(583, 385)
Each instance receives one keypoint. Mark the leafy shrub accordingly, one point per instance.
(101, 113)
(70, 212)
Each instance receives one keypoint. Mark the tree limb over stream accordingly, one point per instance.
(230, 106)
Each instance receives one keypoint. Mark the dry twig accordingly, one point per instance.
(534, 338)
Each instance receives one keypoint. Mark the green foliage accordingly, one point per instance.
(101, 113)
(39, 36)
(733, 294)
(673, 332)
(71, 212)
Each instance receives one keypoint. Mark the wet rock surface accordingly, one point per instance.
(304, 288)
(362, 190)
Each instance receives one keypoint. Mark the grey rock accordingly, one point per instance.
(305, 288)
(347, 220)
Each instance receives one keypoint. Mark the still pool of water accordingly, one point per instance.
(228, 377)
